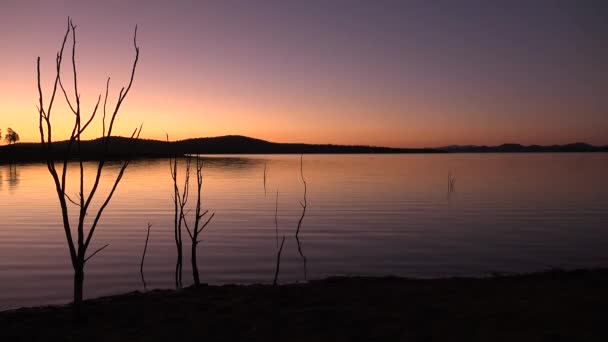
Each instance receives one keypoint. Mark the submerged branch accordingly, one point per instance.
(143, 256)
(279, 249)
(304, 205)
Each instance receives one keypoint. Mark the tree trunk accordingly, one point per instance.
(178, 269)
(78, 285)
(197, 281)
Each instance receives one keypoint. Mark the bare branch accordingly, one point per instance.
(105, 101)
(97, 251)
(91, 118)
(303, 256)
(177, 223)
(304, 205)
(71, 200)
(143, 256)
(109, 133)
(77, 96)
(265, 170)
(187, 227)
(179, 205)
(65, 94)
(203, 214)
(206, 223)
(278, 263)
(123, 91)
(107, 201)
(276, 220)
(58, 66)
(46, 139)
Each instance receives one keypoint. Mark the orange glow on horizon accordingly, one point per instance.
(370, 82)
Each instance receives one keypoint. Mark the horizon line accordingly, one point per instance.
(580, 142)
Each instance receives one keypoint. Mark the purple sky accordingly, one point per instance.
(397, 73)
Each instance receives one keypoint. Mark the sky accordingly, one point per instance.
(392, 73)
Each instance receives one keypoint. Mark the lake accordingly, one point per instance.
(366, 215)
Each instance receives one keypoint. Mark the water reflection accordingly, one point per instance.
(451, 186)
(12, 175)
(366, 214)
(233, 163)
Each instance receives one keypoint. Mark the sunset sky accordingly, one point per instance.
(394, 73)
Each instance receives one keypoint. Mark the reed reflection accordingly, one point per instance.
(12, 177)
(232, 163)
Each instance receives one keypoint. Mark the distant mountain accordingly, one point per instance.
(237, 144)
(229, 144)
(517, 148)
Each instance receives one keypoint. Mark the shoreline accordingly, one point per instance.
(552, 305)
(123, 148)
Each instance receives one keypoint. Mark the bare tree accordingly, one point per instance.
(143, 257)
(179, 202)
(279, 248)
(79, 246)
(304, 205)
(265, 172)
(304, 202)
(198, 228)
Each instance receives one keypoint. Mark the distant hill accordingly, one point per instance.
(236, 144)
(229, 144)
(515, 148)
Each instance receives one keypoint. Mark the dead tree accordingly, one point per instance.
(179, 202)
(304, 205)
(198, 228)
(143, 257)
(265, 172)
(279, 248)
(79, 245)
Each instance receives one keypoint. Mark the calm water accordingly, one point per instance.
(367, 215)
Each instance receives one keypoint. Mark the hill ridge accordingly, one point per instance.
(240, 144)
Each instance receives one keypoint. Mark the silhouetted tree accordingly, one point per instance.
(279, 248)
(304, 205)
(265, 172)
(11, 136)
(179, 202)
(79, 245)
(143, 257)
(198, 228)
